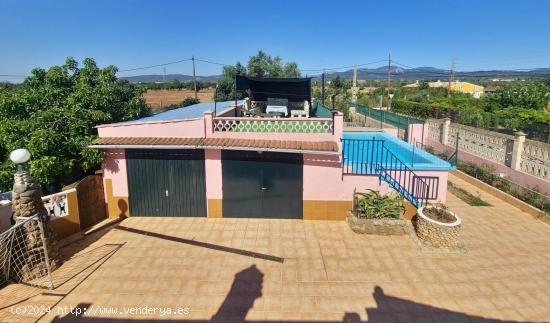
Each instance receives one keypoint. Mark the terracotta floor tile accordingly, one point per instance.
(327, 271)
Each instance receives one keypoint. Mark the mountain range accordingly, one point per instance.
(380, 73)
(158, 78)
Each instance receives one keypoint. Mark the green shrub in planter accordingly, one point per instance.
(373, 205)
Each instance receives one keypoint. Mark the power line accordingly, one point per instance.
(419, 69)
(171, 63)
(12, 75)
(210, 62)
(157, 65)
(479, 73)
(342, 67)
(443, 72)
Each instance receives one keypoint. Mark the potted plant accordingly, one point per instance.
(437, 226)
(375, 213)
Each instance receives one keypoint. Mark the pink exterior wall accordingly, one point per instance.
(416, 134)
(443, 178)
(323, 180)
(114, 168)
(178, 128)
(202, 127)
(392, 131)
(213, 173)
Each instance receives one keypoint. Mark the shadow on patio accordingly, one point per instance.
(203, 244)
(247, 287)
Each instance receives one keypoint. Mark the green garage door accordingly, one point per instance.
(166, 182)
(266, 185)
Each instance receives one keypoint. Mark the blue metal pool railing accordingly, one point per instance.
(372, 157)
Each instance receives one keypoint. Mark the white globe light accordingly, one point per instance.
(20, 156)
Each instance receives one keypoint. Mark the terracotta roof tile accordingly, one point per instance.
(321, 146)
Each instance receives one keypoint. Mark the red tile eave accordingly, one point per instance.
(321, 146)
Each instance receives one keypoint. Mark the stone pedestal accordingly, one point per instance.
(445, 131)
(438, 234)
(519, 139)
(28, 247)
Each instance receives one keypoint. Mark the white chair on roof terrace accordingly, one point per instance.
(304, 113)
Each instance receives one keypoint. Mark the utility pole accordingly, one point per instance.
(194, 77)
(164, 74)
(451, 77)
(389, 82)
(323, 87)
(354, 89)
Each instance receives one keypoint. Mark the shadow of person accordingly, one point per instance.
(351, 318)
(73, 314)
(394, 309)
(123, 208)
(246, 288)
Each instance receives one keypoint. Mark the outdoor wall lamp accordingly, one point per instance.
(20, 157)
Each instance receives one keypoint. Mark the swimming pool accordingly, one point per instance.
(365, 149)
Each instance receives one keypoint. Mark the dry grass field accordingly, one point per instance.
(159, 99)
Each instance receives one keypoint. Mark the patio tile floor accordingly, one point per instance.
(291, 270)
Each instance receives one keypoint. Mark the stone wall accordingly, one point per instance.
(377, 226)
(487, 144)
(516, 152)
(535, 159)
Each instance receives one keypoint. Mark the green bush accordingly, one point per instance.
(373, 205)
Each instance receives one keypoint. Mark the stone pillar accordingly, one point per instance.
(352, 116)
(26, 202)
(517, 150)
(444, 138)
(338, 127)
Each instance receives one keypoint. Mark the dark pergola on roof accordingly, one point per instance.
(293, 89)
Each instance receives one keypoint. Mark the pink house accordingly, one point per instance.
(215, 160)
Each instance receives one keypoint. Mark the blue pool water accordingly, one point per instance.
(370, 152)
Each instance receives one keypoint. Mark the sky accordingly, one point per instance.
(481, 35)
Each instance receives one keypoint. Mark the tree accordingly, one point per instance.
(424, 85)
(189, 101)
(225, 90)
(291, 70)
(191, 85)
(53, 114)
(175, 84)
(337, 83)
(259, 65)
(530, 95)
(263, 65)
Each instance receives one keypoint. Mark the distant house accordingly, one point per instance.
(490, 89)
(413, 85)
(463, 87)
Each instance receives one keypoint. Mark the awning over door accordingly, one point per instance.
(291, 146)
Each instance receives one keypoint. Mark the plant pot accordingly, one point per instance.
(435, 233)
(384, 226)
